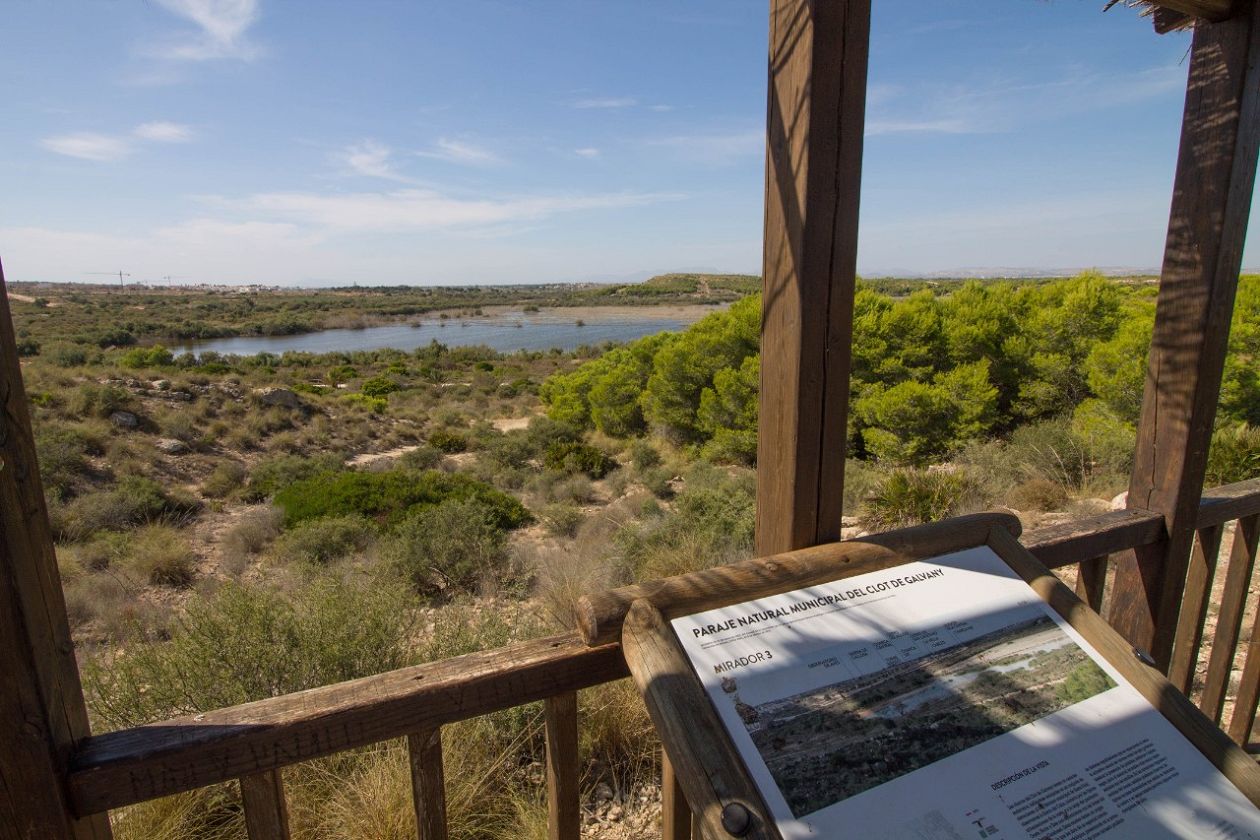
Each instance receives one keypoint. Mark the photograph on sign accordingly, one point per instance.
(945, 699)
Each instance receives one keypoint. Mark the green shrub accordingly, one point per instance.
(340, 373)
(712, 523)
(388, 497)
(376, 405)
(644, 455)
(277, 473)
(134, 500)
(562, 520)
(324, 540)
(421, 458)
(98, 400)
(450, 546)
(62, 454)
(224, 480)
(379, 386)
(146, 357)
(66, 355)
(1234, 455)
(447, 441)
(248, 643)
(578, 458)
(909, 497)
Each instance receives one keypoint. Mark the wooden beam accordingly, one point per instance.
(42, 713)
(132, 765)
(1216, 170)
(1213, 11)
(817, 101)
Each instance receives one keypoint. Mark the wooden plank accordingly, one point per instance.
(1242, 559)
(428, 783)
(675, 813)
(266, 814)
(1240, 768)
(711, 772)
(1091, 581)
(600, 615)
(1094, 536)
(42, 713)
(1194, 609)
(816, 113)
(120, 768)
(1212, 191)
(1229, 502)
(1244, 716)
(564, 816)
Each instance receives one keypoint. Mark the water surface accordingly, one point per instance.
(505, 332)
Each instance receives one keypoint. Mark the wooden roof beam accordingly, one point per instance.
(1210, 10)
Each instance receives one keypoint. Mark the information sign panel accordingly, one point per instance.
(946, 699)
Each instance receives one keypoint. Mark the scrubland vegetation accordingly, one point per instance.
(240, 527)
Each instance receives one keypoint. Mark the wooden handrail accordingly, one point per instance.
(133, 765)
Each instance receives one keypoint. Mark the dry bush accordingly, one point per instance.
(253, 532)
(159, 555)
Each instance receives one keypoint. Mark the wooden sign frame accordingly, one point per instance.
(708, 766)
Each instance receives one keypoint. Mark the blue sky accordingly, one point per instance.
(316, 142)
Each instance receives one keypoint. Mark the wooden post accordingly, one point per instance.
(42, 714)
(1216, 170)
(428, 783)
(676, 817)
(266, 813)
(817, 101)
(564, 815)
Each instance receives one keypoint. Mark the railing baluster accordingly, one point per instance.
(266, 815)
(675, 813)
(1242, 558)
(564, 818)
(1194, 607)
(1091, 580)
(428, 783)
(1244, 716)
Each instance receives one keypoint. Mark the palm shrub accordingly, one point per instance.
(1234, 455)
(909, 497)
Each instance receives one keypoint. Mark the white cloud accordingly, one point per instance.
(88, 146)
(610, 102)
(424, 209)
(222, 26)
(163, 132)
(944, 108)
(588, 152)
(715, 149)
(461, 151)
(927, 126)
(370, 158)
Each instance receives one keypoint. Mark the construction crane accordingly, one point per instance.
(121, 274)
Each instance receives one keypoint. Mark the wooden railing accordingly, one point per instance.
(254, 742)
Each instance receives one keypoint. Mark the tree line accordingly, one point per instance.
(930, 371)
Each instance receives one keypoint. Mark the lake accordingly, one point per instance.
(506, 331)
